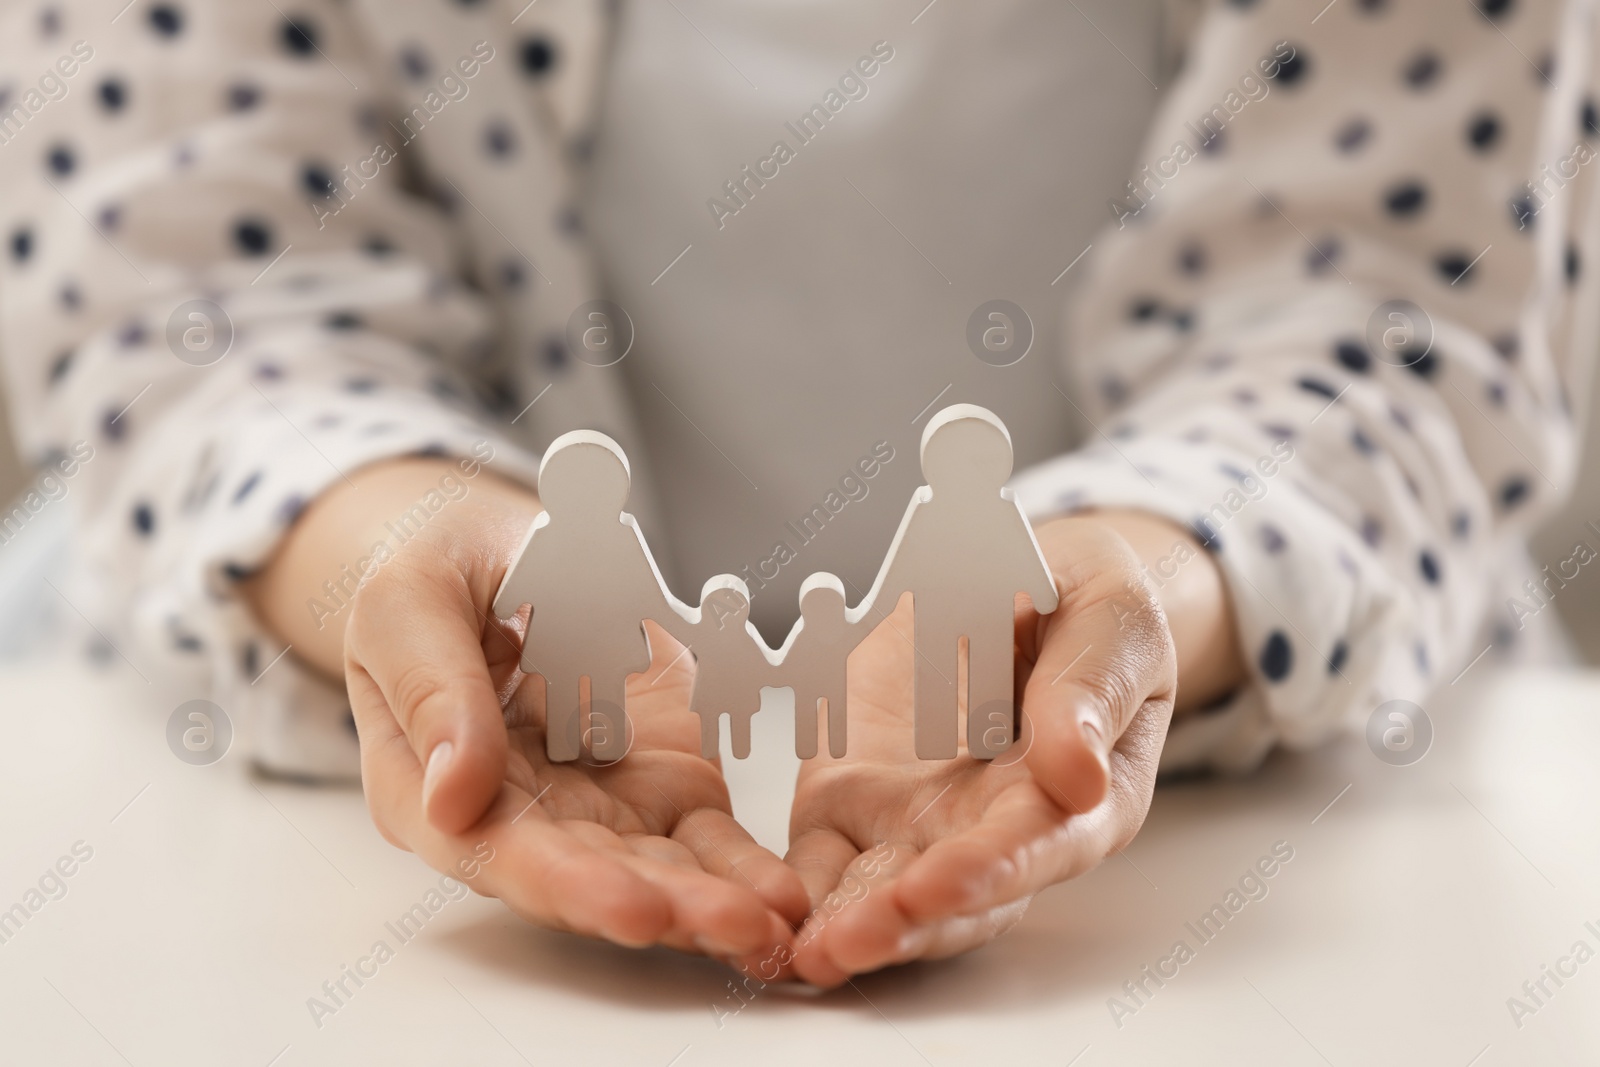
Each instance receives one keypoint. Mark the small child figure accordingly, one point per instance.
(814, 657)
(732, 663)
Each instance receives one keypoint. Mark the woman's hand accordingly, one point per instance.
(967, 842)
(639, 852)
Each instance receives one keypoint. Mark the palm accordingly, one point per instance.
(950, 851)
(641, 851)
(663, 808)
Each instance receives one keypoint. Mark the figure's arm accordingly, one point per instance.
(1034, 576)
(516, 589)
(890, 584)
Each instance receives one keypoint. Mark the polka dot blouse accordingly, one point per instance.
(1334, 325)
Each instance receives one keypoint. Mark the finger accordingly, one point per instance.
(856, 926)
(709, 913)
(543, 873)
(724, 848)
(820, 857)
(1023, 843)
(1100, 661)
(417, 634)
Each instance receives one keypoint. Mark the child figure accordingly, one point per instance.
(814, 657)
(732, 663)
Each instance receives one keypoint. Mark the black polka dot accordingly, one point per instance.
(60, 160)
(71, 297)
(1317, 387)
(1513, 491)
(511, 274)
(1454, 267)
(113, 94)
(252, 236)
(1589, 118)
(166, 20)
(243, 97)
(60, 366)
(1362, 443)
(144, 519)
(299, 37)
(1508, 345)
(1208, 538)
(1277, 656)
(1144, 309)
(1353, 355)
(1461, 525)
(1336, 658)
(414, 62)
(21, 244)
(1406, 199)
(1319, 260)
(538, 56)
(317, 180)
(1483, 131)
(344, 320)
(499, 140)
(247, 487)
(1291, 71)
(1493, 9)
(1422, 70)
(1425, 365)
(1523, 212)
(555, 353)
(1545, 69)
(1352, 135)
(1272, 539)
(1428, 566)
(377, 245)
(1574, 264)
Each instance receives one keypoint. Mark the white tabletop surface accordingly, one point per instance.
(215, 904)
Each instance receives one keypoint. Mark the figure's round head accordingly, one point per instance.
(822, 596)
(725, 600)
(966, 448)
(584, 473)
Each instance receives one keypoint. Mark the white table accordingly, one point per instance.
(215, 904)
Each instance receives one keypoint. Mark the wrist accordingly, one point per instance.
(388, 511)
(1187, 582)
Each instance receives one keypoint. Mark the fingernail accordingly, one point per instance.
(438, 763)
(911, 943)
(712, 947)
(1090, 728)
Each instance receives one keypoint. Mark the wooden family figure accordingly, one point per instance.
(963, 551)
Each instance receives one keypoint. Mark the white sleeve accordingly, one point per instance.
(177, 153)
(1359, 477)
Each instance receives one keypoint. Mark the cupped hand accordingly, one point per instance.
(641, 851)
(904, 858)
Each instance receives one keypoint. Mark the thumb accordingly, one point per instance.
(1101, 659)
(419, 636)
